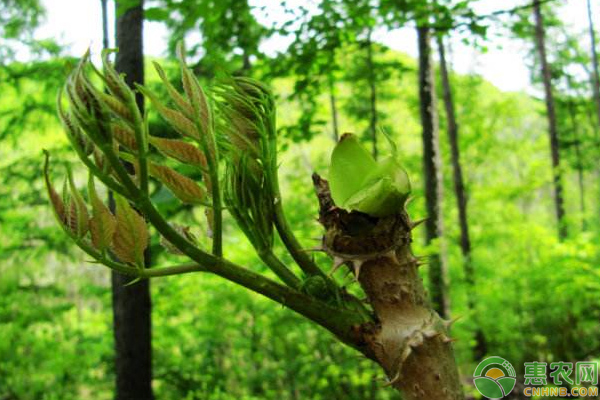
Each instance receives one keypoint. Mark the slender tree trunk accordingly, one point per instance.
(596, 68)
(432, 174)
(334, 112)
(409, 339)
(332, 98)
(579, 164)
(461, 200)
(595, 72)
(131, 304)
(373, 95)
(540, 40)
(104, 6)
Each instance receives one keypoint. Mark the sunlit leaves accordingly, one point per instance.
(131, 235)
(77, 214)
(176, 119)
(57, 203)
(180, 150)
(182, 187)
(195, 95)
(103, 223)
(177, 98)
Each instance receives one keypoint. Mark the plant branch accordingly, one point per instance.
(141, 137)
(279, 268)
(337, 320)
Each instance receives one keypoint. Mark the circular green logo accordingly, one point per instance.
(494, 377)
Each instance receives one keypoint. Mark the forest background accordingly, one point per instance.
(526, 285)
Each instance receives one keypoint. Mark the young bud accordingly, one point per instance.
(103, 223)
(77, 213)
(58, 205)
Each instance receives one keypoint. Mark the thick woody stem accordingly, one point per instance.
(409, 340)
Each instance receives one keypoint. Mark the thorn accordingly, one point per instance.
(416, 340)
(357, 264)
(431, 333)
(446, 339)
(392, 256)
(405, 354)
(313, 249)
(421, 260)
(449, 322)
(404, 289)
(337, 263)
(318, 239)
(134, 281)
(416, 223)
(394, 380)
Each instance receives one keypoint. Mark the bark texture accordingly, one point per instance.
(408, 338)
(438, 270)
(461, 199)
(540, 40)
(131, 304)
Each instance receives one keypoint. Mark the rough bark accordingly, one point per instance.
(372, 95)
(540, 41)
(131, 304)
(438, 272)
(408, 338)
(480, 349)
(595, 71)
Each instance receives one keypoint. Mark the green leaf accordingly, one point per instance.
(131, 235)
(350, 164)
(77, 211)
(358, 182)
(102, 224)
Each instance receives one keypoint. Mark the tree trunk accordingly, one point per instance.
(104, 7)
(334, 113)
(131, 304)
(432, 174)
(461, 200)
(408, 338)
(552, 128)
(373, 95)
(579, 164)
(332, 98)
(595, 72)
